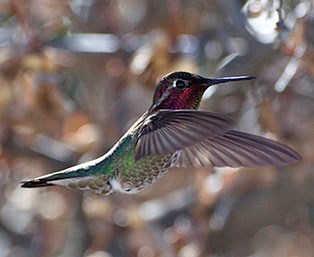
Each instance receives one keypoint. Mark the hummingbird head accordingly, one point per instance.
(184, 90)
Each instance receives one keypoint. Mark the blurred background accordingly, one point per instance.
(74, 75)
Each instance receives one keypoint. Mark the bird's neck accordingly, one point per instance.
(189, 99)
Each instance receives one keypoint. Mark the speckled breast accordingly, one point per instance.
(141, 174)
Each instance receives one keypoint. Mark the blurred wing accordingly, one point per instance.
(236, 149)
(167, 131)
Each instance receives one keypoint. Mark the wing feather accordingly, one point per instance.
(167, 131)
(236, 149)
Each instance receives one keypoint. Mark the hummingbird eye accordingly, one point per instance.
(180, 84)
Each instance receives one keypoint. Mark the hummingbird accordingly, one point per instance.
(172, 133)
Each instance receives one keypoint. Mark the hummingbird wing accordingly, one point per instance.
(167, 131)
(236, 149)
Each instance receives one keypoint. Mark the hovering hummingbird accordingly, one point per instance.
(172, 133)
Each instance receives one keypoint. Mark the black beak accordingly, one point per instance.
(209, 81)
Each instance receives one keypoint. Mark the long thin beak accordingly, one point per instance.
(209, 81)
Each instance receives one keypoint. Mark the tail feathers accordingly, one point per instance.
(35, 183)
(43, 181)
(76, 176)
(61, 178)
